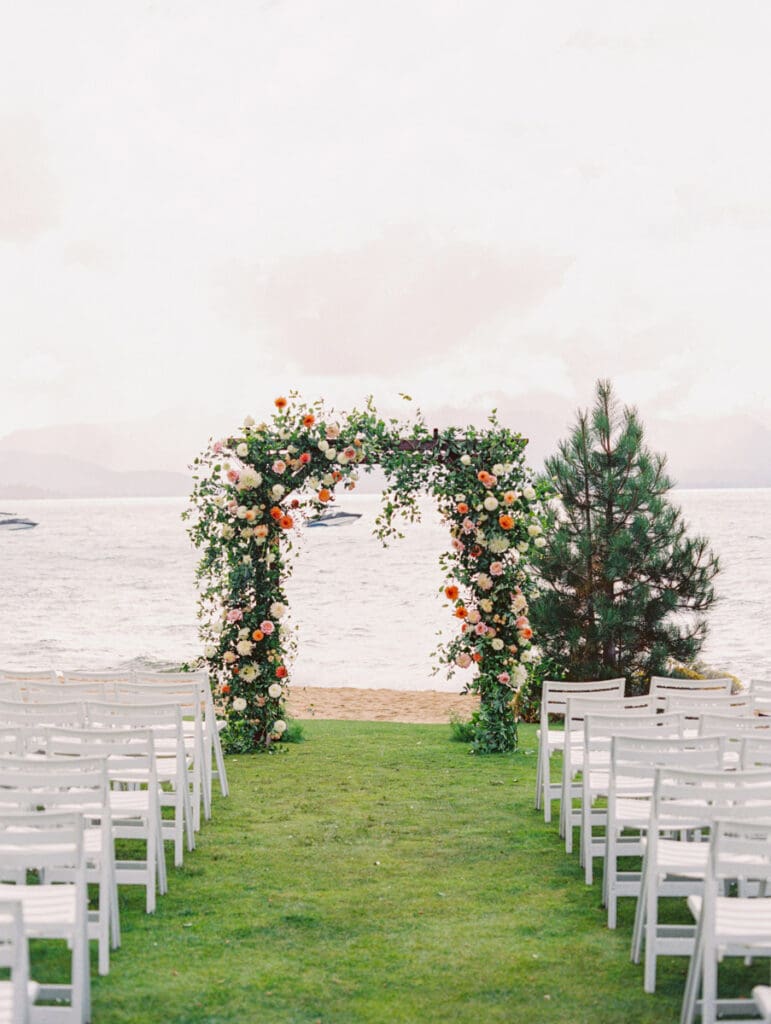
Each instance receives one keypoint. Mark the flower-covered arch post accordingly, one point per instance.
(253, 489)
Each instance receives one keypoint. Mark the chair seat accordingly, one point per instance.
(762, 996)
(739, 921)
(680, 858)
(49, 911)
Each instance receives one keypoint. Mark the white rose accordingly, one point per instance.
(491, 503)
(342, 458)
(209, 651)
(220, 500)
(540, 542)
(291, 449)
(534, 529)
(279, 727)
(244, 648)
(242, 450)
(520, 676)
(241, 511)
(248, 479)
(248, 673)
(249, 421)
(499, 544)
(239, 704)
(227, 532)
(498, 644)
(277, 609)
(523, 545)
(327, 479)
(519, 602)
(528, 492)
(323, 445)
(486, 605)
(466, 460)
(243, 634)
(278, 491)
(313, 483)
(274, 690)
(246, 533)
(330, 454)
(498, 469)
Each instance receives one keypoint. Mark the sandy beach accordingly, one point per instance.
(351, 704)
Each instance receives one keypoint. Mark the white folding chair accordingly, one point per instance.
(736, 926)
(576, 710)
(46, 841)
(188, 696)
(633, 764)
(734, 729)
(664, 686)
(134, 796)
(755, 751)
(171, 761)
(63, 712)
(599, 731)
(79, 786)
(684, 806)
(18, 994)
(554, 697)
(213, 753)
(696, 703)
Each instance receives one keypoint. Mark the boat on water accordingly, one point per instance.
(334, 517)
(10, 521)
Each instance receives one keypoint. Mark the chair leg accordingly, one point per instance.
(639, 918)
(690, 995)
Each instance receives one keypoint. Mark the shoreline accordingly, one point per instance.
(344, 703)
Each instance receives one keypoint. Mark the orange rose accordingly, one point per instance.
(286, 522)
(505, 522)
(451, 593)
(258, 635)
(324, 494)
(461, 612)
(462, 508)
(280, 672)
(337, 476)
(280, 402)
(510, 497)
(309, 420)
(276, 513)
(476, 656)
(234, 670)
(225, 689)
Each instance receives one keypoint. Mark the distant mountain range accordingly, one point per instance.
(147, 458)
(26, 475)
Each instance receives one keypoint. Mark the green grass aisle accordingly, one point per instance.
(378, 873)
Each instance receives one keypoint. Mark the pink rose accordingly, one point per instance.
(504, 678)
(267, 627)
(496, 568)
(458, 545)
(279, 466)
(468, 525)
(305, 458)
(217, 446)
(463, 660)
(480, 629)
(233, 475)
(235, 615)
(522, 622)
(473, 617)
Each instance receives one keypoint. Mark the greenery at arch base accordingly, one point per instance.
(252, 493)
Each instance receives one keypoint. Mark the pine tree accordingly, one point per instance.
(624, 588)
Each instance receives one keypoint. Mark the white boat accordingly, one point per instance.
(334, 517)
(10, 521)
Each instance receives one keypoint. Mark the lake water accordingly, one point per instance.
(109, 583)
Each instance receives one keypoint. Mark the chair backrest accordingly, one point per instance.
(733, 726)
(693, 798)
(762, 687)
(20, 675)
(755, 751)
(165, 720)
(118, 676)
(662, 686)
(555, 693)
(739, 850)
(696, 702)
(81, 784)
(634, 759)
(42, 839)
(51, 713)
(600, 729)
(130, 753)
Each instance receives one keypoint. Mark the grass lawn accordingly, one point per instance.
(379, 873)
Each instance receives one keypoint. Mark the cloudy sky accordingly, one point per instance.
(482, 203)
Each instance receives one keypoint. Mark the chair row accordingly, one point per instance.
(655, 785)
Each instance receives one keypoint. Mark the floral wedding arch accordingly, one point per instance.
(254, 489)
